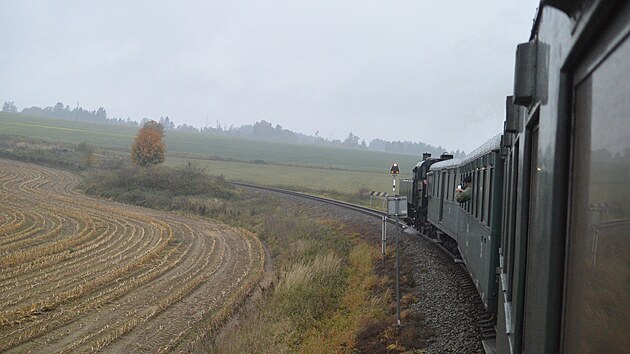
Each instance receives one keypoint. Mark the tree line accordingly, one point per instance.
(261, 130)
(59, 110)
(266, 131)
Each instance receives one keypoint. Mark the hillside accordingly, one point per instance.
(301, 167)
(194, 145)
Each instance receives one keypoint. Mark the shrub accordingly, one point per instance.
(148, 148)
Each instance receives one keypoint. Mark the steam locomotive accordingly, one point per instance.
(545, 235)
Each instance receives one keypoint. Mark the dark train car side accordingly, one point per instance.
(545, 234)
(416, 191)
(565, 249)
(471, 228)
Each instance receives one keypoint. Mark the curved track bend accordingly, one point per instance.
(355, 207)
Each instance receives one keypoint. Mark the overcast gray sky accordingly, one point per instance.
(431, 71)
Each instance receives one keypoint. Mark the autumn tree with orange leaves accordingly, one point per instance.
(148, 148)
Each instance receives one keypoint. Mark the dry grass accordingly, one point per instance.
(301, 274)
(338, 333)
(324, 294)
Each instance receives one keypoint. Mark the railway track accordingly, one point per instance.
(358, 208)
(458, 272)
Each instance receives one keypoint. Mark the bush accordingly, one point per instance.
(40, 152)
(160, 187)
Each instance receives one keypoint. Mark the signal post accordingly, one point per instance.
(397, 206)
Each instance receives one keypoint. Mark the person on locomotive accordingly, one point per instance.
(463, 195)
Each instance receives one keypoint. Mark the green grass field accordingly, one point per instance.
(265, 163)
(293, 176)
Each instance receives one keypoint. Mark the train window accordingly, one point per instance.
(468, 207)
(490, 186)
(458, 180)
(448, 185)
(443, 182)
(507, 173)
(454, 184)
(461, 178)
(482, 196)
(477, 194)
(438, 184)
(475, 198)
(471, 210)
(479, 200)
(597, 274)
(479, 188)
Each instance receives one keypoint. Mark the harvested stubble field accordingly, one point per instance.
(81, 274)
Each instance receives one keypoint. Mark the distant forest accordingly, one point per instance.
(261, 130)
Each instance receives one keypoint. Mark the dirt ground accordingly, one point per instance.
(81, 274)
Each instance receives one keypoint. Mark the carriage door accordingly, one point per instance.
(597, 285)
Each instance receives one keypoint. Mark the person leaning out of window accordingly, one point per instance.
(463, 195)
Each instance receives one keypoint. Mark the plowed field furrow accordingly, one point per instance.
(95, 253)
(9, 177)
(23, 224)
(162, 293)
(8, 220)
(60, 282)
(84, 254)
(82, 274)
(44, 229)
(48, 264)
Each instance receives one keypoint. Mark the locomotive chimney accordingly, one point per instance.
(426, 155)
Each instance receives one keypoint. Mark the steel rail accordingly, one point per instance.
(355, 207)
(359, 208)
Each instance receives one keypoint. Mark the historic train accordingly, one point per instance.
(545, 235)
